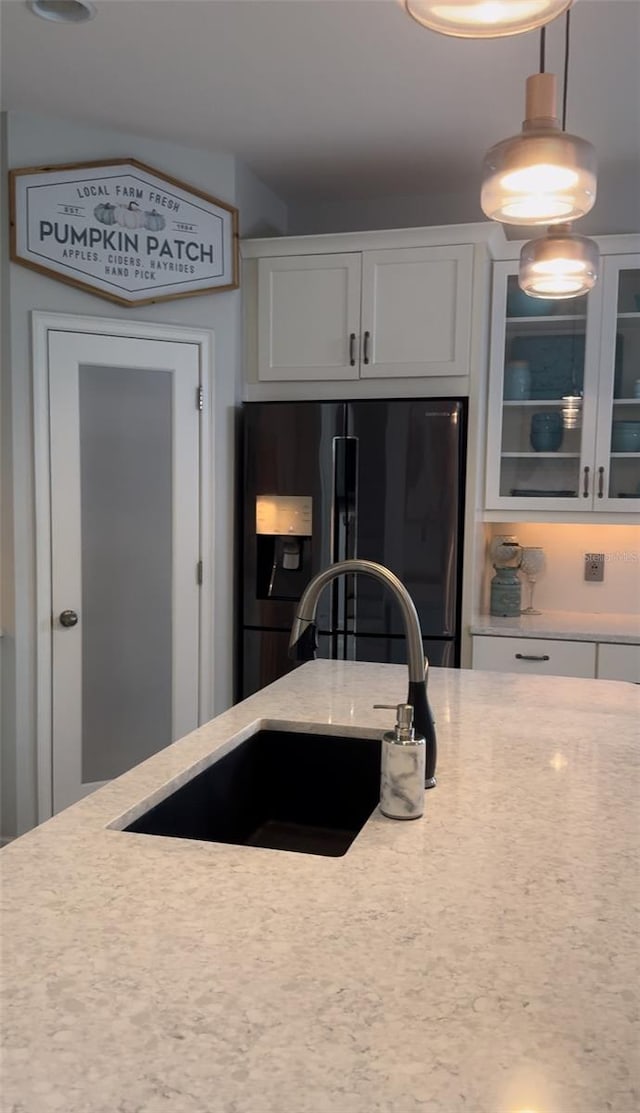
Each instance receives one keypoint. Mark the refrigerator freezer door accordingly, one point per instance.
(289, 450)
(409, 510)
(393, 650)
(265, 657)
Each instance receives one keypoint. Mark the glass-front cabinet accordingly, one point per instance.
(563, 430)
(618, 424)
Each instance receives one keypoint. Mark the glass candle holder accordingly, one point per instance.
(531, 565)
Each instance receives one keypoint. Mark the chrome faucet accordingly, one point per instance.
(303, 642)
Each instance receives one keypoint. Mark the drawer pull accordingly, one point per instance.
(532, 657)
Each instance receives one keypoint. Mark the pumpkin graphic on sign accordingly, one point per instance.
(130, 216)
(105, 213)
(153, 221)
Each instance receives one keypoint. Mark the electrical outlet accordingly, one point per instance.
(594, 567)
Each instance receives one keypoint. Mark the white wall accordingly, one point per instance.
(262, 213)
(36, 141)
(561, 586)
(617, 208)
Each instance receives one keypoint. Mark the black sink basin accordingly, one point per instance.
(310, 793)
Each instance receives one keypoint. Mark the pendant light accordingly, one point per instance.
(559, 265)
(544, 175)
(483, 19)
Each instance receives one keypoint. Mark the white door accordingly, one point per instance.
(416, 311)
(309, 317)
(125, 542)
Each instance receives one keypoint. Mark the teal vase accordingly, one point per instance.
(506, 593)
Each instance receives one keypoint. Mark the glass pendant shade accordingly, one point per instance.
(559, 265)
(483, 19)
(544, 175)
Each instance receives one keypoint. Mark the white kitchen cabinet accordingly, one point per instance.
(309, 317)
(534, 656)
(586, 346)
(396, 312)
(618, 662)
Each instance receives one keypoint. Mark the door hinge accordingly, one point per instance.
(199, 398)
(199, 573)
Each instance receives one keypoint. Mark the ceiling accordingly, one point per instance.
(324, 99)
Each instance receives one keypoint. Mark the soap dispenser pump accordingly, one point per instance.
(402, 768)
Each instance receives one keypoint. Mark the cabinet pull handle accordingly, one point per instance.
(365, 348)
(600, 483)
(352, 349)
(532, 657)
(585, 489)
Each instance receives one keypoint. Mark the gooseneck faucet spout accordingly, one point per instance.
(303, 642)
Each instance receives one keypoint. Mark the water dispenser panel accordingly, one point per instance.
(282, 515)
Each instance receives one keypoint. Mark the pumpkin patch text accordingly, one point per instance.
(124, 231)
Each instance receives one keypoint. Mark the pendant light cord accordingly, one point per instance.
(566, 71)
(543, 41)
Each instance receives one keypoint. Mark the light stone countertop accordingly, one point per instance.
(482, 959)
(576, 626)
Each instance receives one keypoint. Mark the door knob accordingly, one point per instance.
(68, 618)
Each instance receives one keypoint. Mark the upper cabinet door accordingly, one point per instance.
(308, 317)
(539, 456)
(416, 311)
(617, 454)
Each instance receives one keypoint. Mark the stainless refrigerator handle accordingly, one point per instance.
(338, 546)
(351, 543)
(351, 494)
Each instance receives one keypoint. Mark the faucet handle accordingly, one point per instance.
(385, 706)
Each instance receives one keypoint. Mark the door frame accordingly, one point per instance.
(41, 325)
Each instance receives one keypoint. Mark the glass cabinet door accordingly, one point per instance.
(541, 428)
(618, 435)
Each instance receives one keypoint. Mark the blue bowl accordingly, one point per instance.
(546, 432)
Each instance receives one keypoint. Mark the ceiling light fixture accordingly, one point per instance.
(483, 19)
(544, 175)
(63, 11)
(559, 265)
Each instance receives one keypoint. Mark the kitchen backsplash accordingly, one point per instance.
(561, 587)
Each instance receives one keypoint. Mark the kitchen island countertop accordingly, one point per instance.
(481, 959)
(577, 626)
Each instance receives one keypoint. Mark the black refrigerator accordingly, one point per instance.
(328, 481)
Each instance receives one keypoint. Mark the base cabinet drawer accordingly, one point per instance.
(534, 656)
(619, 662)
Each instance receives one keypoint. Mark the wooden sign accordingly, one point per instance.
(123, 231)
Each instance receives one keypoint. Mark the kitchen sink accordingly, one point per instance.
(284, 790)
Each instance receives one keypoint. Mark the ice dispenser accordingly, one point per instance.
(283, 536)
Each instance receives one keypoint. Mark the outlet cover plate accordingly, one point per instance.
(594, 567)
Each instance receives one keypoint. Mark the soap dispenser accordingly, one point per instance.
(402, 768)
